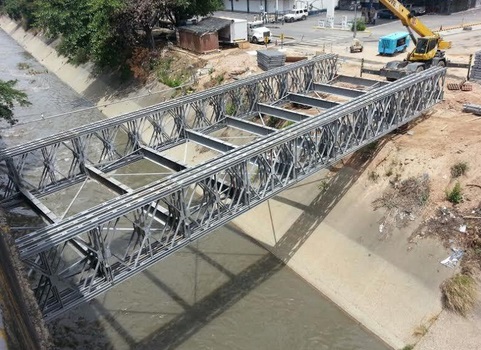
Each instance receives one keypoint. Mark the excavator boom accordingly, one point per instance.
(428, 50)
(406, 18)
(412, 22)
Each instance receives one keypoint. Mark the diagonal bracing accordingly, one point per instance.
(170, 213)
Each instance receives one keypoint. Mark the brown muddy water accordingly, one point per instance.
(223, 291)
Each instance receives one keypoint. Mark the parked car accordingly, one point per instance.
(415, 10)
(296, 15)
(385, 14)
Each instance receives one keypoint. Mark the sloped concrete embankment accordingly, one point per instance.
(23, 321)
(331, 239)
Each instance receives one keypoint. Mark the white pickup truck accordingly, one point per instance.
(296, 15)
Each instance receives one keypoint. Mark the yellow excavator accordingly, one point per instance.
(429, 50)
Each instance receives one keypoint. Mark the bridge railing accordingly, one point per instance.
(87, 254)
(45, 165)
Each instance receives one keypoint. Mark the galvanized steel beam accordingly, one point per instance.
(337, 90)
(209, 142)
(163, 160)
(358, 81)
(311, 101)
(41, 209)
(248, 126)
(282, 113)
(106, 180)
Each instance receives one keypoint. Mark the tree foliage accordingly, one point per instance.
(20, 10)
(106, 32)
(8, 96)
(180, 10)
(86, 28)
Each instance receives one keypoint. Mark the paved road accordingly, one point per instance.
(307, 32)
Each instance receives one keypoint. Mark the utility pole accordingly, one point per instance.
(355, 20)
(277, 10)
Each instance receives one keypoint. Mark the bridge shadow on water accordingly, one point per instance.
(185, 325)
(194, 316)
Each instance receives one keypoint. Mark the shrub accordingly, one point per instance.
(230, 108)
(455, 196)
(459, 169)
(23, 66)
(373, 176)
(420, 331)
(323, 185)
(360, 26)
(459, 293)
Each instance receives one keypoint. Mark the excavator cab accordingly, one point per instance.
(425, 49)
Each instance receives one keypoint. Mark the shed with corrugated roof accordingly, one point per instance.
(202, 37)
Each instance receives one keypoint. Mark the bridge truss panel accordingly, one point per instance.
(89, 253)
(46, 165)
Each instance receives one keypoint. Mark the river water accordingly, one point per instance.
(224, 291)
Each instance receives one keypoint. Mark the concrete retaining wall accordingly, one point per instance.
(24, 326)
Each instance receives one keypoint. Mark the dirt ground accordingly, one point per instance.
(445, 137)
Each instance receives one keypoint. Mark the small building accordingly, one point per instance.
(202, 37)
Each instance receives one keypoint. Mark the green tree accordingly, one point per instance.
(20, 10)
(87, 29)
(180, 10)
(69, 20)
(109, 43)
(8, 96)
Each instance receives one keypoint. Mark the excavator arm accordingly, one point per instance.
(429, 45)
(413, 23)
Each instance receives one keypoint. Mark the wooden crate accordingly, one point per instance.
(244, 44)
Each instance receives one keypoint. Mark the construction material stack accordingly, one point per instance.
(476, 68)
(269, 59)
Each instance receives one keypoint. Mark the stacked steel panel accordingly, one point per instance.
(476, 68)
(269, 59)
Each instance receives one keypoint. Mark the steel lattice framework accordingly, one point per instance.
(46, 165)
(84, 255)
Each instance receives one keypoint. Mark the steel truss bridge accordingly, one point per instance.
(74, 259)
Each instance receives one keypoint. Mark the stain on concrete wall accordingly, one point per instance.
(24, 326)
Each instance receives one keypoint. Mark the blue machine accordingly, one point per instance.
(392, 43)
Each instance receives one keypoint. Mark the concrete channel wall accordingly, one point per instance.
(24, 326)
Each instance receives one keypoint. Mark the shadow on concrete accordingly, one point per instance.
(188, 323)
(72, 330)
